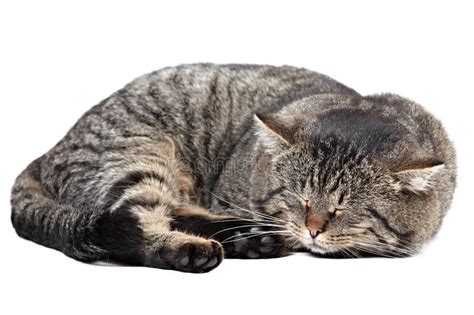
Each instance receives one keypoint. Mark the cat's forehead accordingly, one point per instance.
(329, 172)
(331, 176)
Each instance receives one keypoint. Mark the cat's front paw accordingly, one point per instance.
(256, 246)
(190, 256)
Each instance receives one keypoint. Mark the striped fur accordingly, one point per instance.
(168, 171)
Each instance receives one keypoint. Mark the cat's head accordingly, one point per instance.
(346, 178)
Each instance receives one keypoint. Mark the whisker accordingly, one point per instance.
(259, 218)
(294, 243)
(236, 236)
(292, 193)
(375, 252)
(245, 226)
(381, 249)
(370, 250)
(244, 236)
(350, 252)
(238, 220)
(266, 216)
(395, 247)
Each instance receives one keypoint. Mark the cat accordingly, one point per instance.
(190, 164)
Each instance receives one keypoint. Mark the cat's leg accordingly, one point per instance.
(240, 237)
(178, 236)
(141, 234)
(150, 219)
(136, 224)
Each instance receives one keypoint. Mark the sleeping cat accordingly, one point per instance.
(189, 164)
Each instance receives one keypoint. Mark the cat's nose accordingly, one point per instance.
(314, 224)
(313, 233)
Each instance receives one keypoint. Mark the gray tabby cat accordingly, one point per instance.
(186, 165)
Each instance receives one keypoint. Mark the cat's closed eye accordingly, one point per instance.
(341, 199)
(336, 211)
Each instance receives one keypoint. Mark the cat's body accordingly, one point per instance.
(153, 173)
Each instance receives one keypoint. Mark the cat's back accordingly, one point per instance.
(215, 91)
(205, 95)
(204, 107)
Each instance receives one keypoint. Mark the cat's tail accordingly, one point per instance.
(39, 218)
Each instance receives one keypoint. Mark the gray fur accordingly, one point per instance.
(184, 143)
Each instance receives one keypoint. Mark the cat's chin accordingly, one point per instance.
(318, 249)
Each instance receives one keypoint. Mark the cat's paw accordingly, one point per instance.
(258, 246)
(190, 256)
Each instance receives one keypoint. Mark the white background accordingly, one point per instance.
(57, 59)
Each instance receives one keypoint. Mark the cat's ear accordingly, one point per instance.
(419, 178)
(276, 130)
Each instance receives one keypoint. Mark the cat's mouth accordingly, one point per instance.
(317, 247)
(321, 245)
